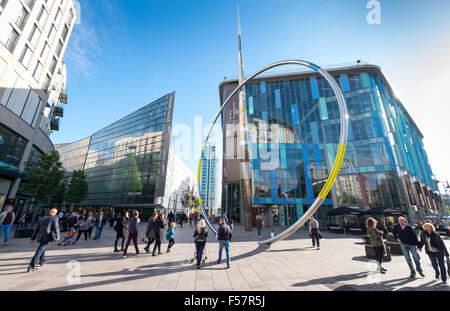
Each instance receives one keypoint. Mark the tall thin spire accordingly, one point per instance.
(241, 65)
(244, 151)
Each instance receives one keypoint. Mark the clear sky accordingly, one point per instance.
(125, 54)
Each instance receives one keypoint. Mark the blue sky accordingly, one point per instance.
(125, 54)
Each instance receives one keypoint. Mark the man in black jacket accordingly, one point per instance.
(224, 236)
(44, 235)
(409, 242)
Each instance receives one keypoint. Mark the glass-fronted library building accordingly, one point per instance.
(294, 133)
(129, 164)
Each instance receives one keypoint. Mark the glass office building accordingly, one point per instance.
(294, 127)
(126, 162)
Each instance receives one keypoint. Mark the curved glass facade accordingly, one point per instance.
(294, 133)
(125, 163)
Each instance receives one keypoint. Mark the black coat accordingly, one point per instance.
(46, 225)
(158, 227)
(150, 225)
(435, 241)
(125, 224)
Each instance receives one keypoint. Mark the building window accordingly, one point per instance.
(33, 159)
(42, 16)
(70, 17)
(37, 71)
(34, 35)
(59, 48)
(11, 40)
(22, 18)
(44, 52)
(46, 83)
(53, 65)
(3, 3)
(25, 56)
(58, 17)
(51, 34)
(12, 147)
(65, 32)
(30, 3)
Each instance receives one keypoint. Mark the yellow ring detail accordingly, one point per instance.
(334, 172)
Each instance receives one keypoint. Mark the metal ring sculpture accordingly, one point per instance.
(337, 162)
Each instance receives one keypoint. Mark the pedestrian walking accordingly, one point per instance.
(99, 223)
(46, 232)
(6, 221)
(314, 232)
(158, 229)
(120, 231)
(376, 240)
(171, 217)
(170, 236)
(71, 221)
(83, 228)
(224, 236)
(225, 217)
(91, 219)
(112, 220)
(28, 219)
(125, 226)
(435, 249)
(409, 242)
(149, 233)
(21, 222)
(259, 225)
(133, 234)
(200, 235)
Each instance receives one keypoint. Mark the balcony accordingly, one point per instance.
(63, 98)
(54, 125)
(59, 112)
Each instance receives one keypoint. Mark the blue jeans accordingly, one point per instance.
(259, 231)
(413, 249)
(200, 246)
(6, 229)
(39, 255)
(98, 233)
(226, 244)
(438, 259)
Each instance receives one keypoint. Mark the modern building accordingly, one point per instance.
(34, 35)
(130, 164)
(208, 178)
(294, 126)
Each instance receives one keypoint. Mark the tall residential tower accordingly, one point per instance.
(33, 37)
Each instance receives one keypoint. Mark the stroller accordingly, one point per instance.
(204, 256)
(69, 239)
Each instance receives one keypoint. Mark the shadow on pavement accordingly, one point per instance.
(335, 283)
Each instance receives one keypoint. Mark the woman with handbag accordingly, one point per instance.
(149, 234)
(376, 240)
(435, 249)
(200, 235)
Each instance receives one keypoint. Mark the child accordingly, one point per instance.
(232, 225)
(170, 236)
(272, 234)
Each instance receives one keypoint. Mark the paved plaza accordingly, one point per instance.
(290, 265)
